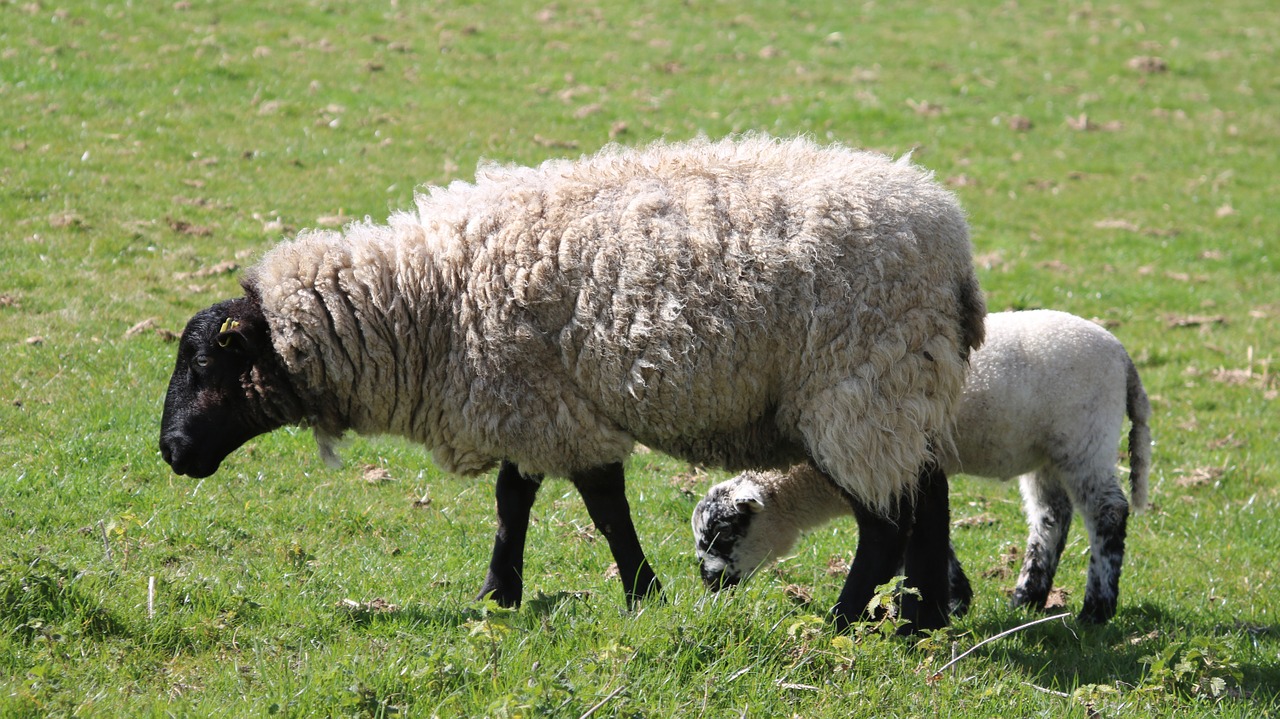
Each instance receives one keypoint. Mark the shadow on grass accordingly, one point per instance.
(1066, 654)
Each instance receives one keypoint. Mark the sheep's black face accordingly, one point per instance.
(226, 388)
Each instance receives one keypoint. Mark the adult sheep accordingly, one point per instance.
(743, 303)
(1045, 401)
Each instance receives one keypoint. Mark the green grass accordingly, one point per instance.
(143, 143)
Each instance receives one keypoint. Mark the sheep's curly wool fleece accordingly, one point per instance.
(742, 303)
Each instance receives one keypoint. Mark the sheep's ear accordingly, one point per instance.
(231, 335)
(748, 500)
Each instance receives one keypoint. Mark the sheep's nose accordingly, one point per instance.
(173, 448)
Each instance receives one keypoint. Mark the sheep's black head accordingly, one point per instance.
(732, 534)
(227, 387)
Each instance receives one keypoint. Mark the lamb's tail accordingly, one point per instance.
(1139, 409)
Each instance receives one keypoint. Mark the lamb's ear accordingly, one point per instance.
(748, 498)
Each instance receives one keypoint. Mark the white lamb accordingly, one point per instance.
(1045, 402)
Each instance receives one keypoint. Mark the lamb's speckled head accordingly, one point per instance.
(734, 532)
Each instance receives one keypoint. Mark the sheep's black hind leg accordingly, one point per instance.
(882, 546)
(603, 490)
(515, 495)
(961, 590)
(929, 555)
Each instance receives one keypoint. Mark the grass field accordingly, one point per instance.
(1118, 161)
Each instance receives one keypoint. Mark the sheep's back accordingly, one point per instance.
(696, 300)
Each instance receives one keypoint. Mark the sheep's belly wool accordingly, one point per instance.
(739, 303)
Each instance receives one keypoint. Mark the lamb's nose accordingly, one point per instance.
(717, 580)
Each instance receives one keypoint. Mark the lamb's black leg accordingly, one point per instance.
(882, 546)
(1048, 509)
(603, 490)
(1106, 515)
(515, 495)
(929, 554)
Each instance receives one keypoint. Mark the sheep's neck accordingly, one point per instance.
(384, 366)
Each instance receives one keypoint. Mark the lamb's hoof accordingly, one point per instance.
(1032, 600)
(1096, 612)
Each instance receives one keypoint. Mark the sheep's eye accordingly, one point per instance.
(202, 360)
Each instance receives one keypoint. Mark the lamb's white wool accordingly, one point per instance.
(1045, 401)
(742, 303)
(1050, 389)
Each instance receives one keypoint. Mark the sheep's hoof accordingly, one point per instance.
(651, 592)
(928, 617)
(961, 590)
(961, 596)
(843, 618)
(503, 596)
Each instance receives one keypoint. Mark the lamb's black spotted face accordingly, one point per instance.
(721, 528)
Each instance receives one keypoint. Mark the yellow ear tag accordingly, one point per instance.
(229, 324)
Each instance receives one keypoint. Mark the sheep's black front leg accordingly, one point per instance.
(929, 554)
(515, 495)
(603, 490)
(882, 546)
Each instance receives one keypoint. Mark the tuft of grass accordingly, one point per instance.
(43, 602)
